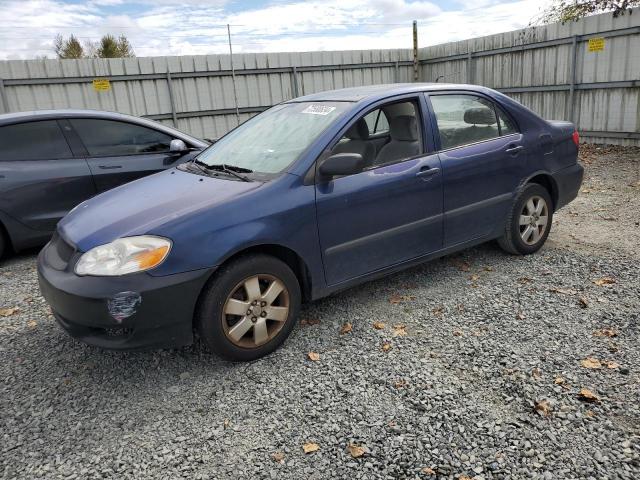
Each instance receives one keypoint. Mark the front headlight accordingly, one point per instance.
(124, 255)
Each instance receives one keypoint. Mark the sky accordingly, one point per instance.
(195, 27)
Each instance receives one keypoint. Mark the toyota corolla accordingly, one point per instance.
(312, 196)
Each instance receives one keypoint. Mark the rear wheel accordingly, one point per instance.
(529, 221)
(249, 308)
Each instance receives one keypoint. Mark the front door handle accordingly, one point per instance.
(514, 149)
(426, 172)
(109, 167)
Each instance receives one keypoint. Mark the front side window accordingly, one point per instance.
(272, 140)
(33, 141)
(401, 127)
(377, 122)
(112, 138)
(464, 119)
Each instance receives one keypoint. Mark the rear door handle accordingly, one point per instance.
(426, 172)
(514, 149)
(109, 167)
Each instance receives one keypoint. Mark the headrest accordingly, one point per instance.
(479, 116)
(358, 131)
(404, 128)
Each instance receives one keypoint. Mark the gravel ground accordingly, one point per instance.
(477, 372)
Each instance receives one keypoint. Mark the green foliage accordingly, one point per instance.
(107, 47)
(572, 10)
(69, 48)
(110, 47)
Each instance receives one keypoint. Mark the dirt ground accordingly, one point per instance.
(606, 214)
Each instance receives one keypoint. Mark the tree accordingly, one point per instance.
(107, 47)
(573, 10)
(110, 47)
(70, 48)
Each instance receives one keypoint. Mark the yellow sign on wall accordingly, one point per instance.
(101, 85)
(596, 44)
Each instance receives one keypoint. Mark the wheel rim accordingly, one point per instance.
(534, 219)
(255, 311)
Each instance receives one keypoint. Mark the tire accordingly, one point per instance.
(232, 323)
(533, 204)
(3, 243)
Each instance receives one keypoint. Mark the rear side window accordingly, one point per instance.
(464, 119)
(111, 138)
(33, 141)
(506, 125)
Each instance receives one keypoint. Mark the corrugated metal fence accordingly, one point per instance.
(195, 93)
(588, 71)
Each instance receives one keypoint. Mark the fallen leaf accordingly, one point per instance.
(462, 265)
(313, 356)
(278, 457)
(605, 332)
(524, 280)
(400, 384)
(610, 364)
(474, 277)
(309, 321)
(310, 447)
(226, 423)
(559, 381)
(536, 373)
(457, 333)
(460, 308)
(587, 395)
(591, 362)
(520, 316)
(355, 450)
(464, 477)
(489, 269)
(543, 407)
(438, 310)
(346, 328)
(428, 471)
(564, 291)
(378, 325)
(590, 413)
(604, 281)
(399, 330)
(6, 312)
(386, 346)
(32, 324)
(395, 299)
(583, 302)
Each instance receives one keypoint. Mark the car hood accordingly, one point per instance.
(146, 204)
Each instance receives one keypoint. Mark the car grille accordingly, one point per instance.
(58, 252)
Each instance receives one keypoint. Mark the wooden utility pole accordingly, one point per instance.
(415, 50)
(233, 75)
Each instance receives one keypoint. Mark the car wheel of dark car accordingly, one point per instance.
(3, 243)
(248, 308)
(529, 221)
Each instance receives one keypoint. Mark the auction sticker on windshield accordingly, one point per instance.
(319, 109)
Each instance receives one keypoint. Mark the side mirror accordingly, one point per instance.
(178, 146)
(341, 164)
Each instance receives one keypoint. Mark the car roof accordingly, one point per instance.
(374, 92)
(20, 117)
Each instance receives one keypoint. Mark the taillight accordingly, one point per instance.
(576, 138)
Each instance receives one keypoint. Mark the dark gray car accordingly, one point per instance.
(50, 161)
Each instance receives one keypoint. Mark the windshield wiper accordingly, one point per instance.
(230, 169)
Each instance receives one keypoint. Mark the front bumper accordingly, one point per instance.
(128, 312)
(568, 180)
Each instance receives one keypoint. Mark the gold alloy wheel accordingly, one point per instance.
(255, 311)
(533, 220)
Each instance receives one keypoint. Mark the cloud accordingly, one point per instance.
(190, 27)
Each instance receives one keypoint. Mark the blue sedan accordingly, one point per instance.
(312, 196)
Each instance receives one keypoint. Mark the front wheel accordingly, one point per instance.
(248, 308)
(529, 221)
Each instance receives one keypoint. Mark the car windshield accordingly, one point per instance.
(271, 141)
